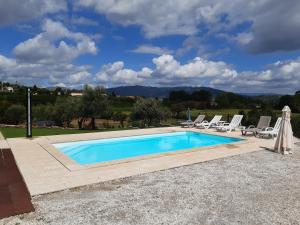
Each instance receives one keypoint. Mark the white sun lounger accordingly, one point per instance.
(235, 122)
(264, 122)
(270, 131)
(199, 119)
(213, 123)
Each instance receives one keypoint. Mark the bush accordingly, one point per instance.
(254, 114)
(15, 114)
(296, 126)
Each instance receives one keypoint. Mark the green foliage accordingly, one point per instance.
(149, 111)
(297, 101)
(12, 132)
(293, 101)
(15, 114)
(254, 115)
(177, 108)
(94, 104)
(65, 110)
(201, 96)
(182, 96)
(287, 100)
(178, 96)
(296, 126)
(121, 117)
(42, 112)
(231, 100)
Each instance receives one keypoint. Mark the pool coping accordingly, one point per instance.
(72, 165)
(44, 173)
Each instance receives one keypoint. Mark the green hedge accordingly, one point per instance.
(296, 126)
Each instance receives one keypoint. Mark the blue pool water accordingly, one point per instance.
(104, 150)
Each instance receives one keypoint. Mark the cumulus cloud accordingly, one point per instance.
(280, 77)
(84, 21)
(47, 57)
(198, 72)
(115, 74)
(13, 11)
(168, 71)
(151, 49)
(43, 48)
(37, 73)
(273, 25)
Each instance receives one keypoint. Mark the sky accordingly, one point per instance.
(245, 46)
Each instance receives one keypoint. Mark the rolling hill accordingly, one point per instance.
(159, 92)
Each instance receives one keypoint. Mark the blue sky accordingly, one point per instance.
(158, 43)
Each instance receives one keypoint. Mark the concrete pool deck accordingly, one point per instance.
(46, 170)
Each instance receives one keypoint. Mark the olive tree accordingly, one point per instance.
(65, 110)
(94, 104)
(150, 111)
(15, 114)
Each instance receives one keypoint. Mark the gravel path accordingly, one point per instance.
(255, 188)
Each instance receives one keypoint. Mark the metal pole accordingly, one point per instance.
(29, 121)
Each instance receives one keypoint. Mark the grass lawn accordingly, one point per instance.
(126, 110)
(12, 132)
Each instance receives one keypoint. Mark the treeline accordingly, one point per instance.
(179, 101)
(291, 100)
(94, 104)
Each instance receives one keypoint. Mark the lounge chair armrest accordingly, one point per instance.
(225, 124)
(251, 126)
(268, 129)
(262, 128)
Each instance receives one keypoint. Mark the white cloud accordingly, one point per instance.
(12, 11)
(84, 21)
(115, 74)
(168, 71)
(269, 25)
(50, 46)
(48, 74)
(280, 77)
(244, 38)
(151, 49)
(159, 18)
(198, 68)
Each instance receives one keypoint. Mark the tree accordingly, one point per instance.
(3, 107)
(297, 101)
(15, 114)
(94, 104)
(177, 108)
(201, 96)
(121, 117)
(287, 100)
(150, 111)
(43, 112)
(178, 96)
(65, 110)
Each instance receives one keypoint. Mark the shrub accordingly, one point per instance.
(15, 114)
(296, 126)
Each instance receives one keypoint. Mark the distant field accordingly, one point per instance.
(11, 132)
(126, 110)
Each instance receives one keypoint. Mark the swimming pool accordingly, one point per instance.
(105, 150)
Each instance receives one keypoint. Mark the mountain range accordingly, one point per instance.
(161, 92)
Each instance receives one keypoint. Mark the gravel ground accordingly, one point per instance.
(255, 188)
